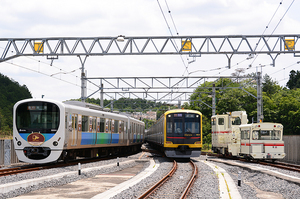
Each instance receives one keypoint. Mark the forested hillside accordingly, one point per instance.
(11, 92)
(133, 105)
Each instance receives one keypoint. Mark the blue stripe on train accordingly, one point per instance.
(90, 138)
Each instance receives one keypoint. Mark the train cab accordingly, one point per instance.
(262, 141)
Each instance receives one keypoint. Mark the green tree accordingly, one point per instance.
(294, 80)
(270, 87)
(11, 92)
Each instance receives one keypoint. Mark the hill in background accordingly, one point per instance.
(11, 92)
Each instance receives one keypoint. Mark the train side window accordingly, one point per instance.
(221, 121)
(94, 124)
(236, 121)
(107, 125)
(102, 125)
(245, 134)
(98, 125)
(121, 126)
(276, 135)
(66, 121)
(116, 128)
(85, 125)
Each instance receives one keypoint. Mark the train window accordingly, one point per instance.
(85, 125)
(76, 122)
(267, 134)
(236, 121)
(213, 121)
(112, 126)
(66, 120)
(245, 134)
(169, 124)
(90, 124)
(191, 123)
(102, 125)
(94, 124)
(116, 129)
(275, 135)
(107, 125)
(178, 127)
(98, 125)
(123, 127)
(38, 116)
(221, 121)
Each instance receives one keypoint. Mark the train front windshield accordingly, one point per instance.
(183, 125)
(37, 117)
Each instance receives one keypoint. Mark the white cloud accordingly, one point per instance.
(65, 18)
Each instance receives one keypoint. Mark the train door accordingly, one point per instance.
(79, 128)
(74, 129)
(98, 130)
(127, 126)
(121, 131)
(108, 129)
(94, 133)
(68, 128)
(245, 141)
(175, 130)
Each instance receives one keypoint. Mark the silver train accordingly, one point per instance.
(46, 131)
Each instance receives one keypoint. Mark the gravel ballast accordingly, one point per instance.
(205, 186)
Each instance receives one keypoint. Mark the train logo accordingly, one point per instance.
(35, 139)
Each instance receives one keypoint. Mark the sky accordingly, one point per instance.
(99, 18)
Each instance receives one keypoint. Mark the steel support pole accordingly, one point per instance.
(213, 100)
(260, 116)
(83, 80)
(101, 95)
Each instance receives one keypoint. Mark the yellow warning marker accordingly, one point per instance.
(186, 45)
(289, 44)
(38, 47)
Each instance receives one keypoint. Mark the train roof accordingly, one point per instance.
(82, 106)
(182, 111)
(262, 125)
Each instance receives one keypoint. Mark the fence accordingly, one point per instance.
(292, 148)
(7, 152)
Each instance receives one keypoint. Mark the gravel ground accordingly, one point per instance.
(205, 186)
(70, 178)
(251, 181)
(138, 189)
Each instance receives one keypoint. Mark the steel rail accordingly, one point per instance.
(158, 184)
(191, 182)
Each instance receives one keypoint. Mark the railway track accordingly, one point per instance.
(155, 190)
(12, 171)
(281, 165)
(35, 167)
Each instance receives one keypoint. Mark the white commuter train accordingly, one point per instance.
(231, 135)
(46, 130)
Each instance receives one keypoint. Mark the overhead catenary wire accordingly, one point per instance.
(166, 21)
(274, 28)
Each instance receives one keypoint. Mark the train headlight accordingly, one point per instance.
(19, 143)
(55, 143)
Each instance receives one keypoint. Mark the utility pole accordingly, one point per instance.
(259, 98)
(83, 79)
(213, 100)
